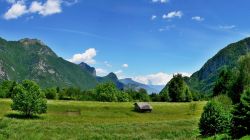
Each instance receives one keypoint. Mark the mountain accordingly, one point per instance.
(111, 77)
(87, 68)
(129, 83)
(32, 59)
(204, 79)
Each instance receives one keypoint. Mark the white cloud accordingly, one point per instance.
(184, 74)
(156, 79)
(70, 2)
(166, 28)
(16, 10)
(227, 27)
(87, 57)
(173, 14)
(160, 1)
(101, 72)
(107, 64)
(198, 18)
(48, 8)
(125, 65)
(119, 74)
(153, 17)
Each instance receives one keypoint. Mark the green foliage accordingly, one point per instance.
(123, 97)
(225, 101)
(88, 95)
(31, 59)
(241, 117)
(50, 93)
(188, 95)
(164, 94)
(223, 84)
(140, 95)
(178, 90)
(242, 79)
(155, 97)
(28, 98)
(6, 88)
(107, 92)
(214, 120)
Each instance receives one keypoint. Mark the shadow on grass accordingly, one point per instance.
(22, 117)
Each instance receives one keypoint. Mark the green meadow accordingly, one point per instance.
(98, 120)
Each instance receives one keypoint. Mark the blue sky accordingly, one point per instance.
(147, 40)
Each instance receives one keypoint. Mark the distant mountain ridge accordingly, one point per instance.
(88, 68)
(111, 77)
(204, 79)
(130, 83)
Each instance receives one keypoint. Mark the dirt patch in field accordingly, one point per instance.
(72, 112)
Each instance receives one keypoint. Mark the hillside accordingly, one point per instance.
(32, 59)
(203, 80)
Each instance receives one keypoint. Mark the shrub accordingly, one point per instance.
(50, 93)
(241, 117)
(178, 90)
(123, 97)
(6, 88)
(107, 92)
(29, 99)
(88, 95)
(155, 97)
(214, 120)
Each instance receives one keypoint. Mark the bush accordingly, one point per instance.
(88, 96)
(155, 97)
(123, 97)
(178, 90)
(29, 99)
(241, 117)
(107, 92)
(225, 101)
(6, 88)
(50, 93)
(214, 120)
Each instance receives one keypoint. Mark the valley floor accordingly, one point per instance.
(96, 120)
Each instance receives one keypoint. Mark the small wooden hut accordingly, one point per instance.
(143, 107)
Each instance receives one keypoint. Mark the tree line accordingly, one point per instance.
(176, 91)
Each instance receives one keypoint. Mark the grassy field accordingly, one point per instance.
(96, 120)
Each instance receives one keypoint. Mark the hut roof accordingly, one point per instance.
(144, 105)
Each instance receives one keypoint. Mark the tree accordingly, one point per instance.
(188, 95)
(107, 92)
(155, 97)
(241, 117)
(29, 99)
(242, 79)
(214, 119)
(178, 89)
(164, 94)
(123, 97)
(142, 95)
(223, 84)
(50, 93)
(6, 89)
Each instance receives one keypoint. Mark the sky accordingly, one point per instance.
(147, 40)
